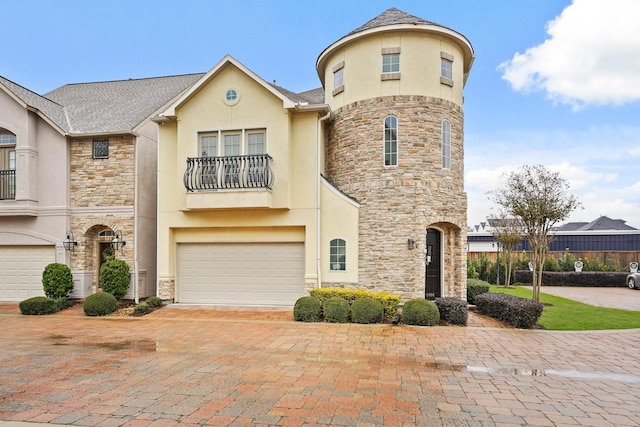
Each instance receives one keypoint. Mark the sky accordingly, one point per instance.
(554, 82)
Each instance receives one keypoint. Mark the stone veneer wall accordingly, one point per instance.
(98, 186)
(400, 202)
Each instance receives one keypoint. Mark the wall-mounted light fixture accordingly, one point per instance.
(117, 243)
(411, 244)
(70, 242)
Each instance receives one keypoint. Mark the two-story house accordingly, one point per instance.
(78, 175)
(265, 193)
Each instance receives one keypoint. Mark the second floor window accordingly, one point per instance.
(390, 141)
(209, 145)
(101, 149)
(446, 144)
(391, 63)
(232, 143)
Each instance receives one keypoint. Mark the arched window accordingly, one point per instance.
(446, 144)
(7, 165)
(390, 141)
(338, 255)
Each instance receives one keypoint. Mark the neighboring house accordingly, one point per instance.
(265, 193)
(79, 164)
(600, 235)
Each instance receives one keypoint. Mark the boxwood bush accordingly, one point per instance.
(367, 310)
(154, 302)
(453, 310)
(336, 310)
(420, 312)
(307, 309)
(38, 306)
(515, 311)
(57, 280)
(140, 309)
(389, 301)
(115, 277)
(100, 304)
(476, 287)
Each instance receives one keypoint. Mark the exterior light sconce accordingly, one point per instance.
(70, 242)
(411, 244)
(117, 243)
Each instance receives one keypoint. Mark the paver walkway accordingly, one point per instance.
(193, 366)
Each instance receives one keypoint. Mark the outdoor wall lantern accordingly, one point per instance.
(70, 242)
(411, 244)
(117, 243)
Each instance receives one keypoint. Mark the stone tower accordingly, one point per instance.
(395, 144)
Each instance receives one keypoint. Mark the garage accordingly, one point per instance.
(260, 274)
(21, 270)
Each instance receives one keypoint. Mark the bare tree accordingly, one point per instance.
(538, 197)
(509, 232)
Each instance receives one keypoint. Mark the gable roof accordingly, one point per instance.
(599, 224)
(117, 106)
(289, 99)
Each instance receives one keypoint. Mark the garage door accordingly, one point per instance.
(21, 270)
(268, 274)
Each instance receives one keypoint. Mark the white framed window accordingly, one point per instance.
(337, 255)
(255, 142)
(231, 144)
(391, 141)
(338, 78)
(391, 63)
(209, 145)
(446, 68)
(446, 144)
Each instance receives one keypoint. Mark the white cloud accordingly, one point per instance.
(592, 56)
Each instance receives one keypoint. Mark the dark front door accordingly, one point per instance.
(433, 274)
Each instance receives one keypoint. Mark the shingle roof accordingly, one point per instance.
(313, 96)
(601, 223)
(116, 106)
(392, 16)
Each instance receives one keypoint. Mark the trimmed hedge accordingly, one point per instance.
(420, 312)
(154, 302)
(336, 310)
(142, 308)
(476, 287)
(367, 310)
(515, 311)
(389, 301)
(115, 277)
(57, 280)
(307, 309)
(609, 279)
(100, 304)
(453, 310)
(38, 306)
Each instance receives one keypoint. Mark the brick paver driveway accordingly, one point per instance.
(184, 367)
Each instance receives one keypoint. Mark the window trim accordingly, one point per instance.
(220, 141)
(445, 143)
(334, 255)
(446, 68)
(393, 143)
(338, 71)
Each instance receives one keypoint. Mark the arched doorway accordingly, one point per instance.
(433, 273)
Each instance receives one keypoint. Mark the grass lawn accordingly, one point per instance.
(561, 314)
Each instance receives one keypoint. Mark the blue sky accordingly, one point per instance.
(555, 82)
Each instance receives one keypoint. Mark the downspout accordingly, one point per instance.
(318, 145)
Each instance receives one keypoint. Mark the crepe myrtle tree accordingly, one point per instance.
(538, 198)
(508, 232)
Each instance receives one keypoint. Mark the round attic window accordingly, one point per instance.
(231, 97)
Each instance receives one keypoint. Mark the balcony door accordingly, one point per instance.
(7, 171)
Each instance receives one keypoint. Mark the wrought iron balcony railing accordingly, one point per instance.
(7, 184)
(231, 172)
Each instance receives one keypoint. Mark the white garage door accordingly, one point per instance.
(267, 274)
(21, 270)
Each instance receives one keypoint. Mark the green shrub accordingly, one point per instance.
(420, 312)
(142, 308)
(306, 309)
(515, 311)
(63, 303)
(366, 310)
(38, 306)
(154, 302)
(336, 310)
(100, 304)
(453, 310)
(115, 277)
(476, 287)
(389, 301)
(57, 280)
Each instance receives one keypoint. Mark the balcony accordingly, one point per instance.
(229, 182)
(7, 184)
